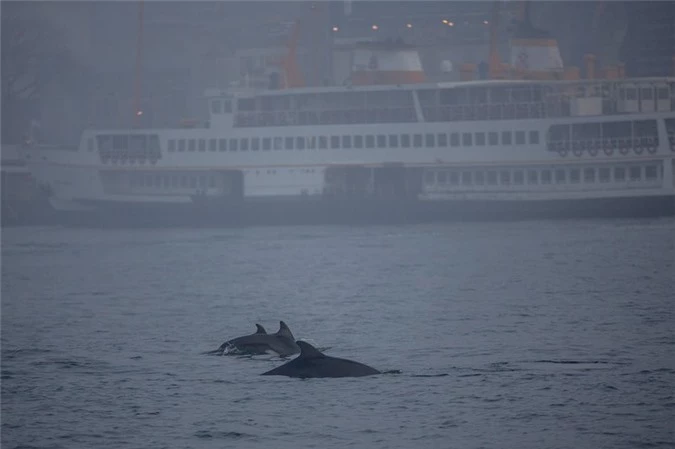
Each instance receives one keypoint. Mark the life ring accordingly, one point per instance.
(593, 151)
(577, 149)
(608, 150)
(652, 149)
(639, 149)
(563, 152)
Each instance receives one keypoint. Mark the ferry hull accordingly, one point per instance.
(358, 211)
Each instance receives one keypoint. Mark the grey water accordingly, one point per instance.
(530, 335)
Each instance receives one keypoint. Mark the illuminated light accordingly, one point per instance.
(336, 29)
(485, 22)
(451, 24)
(375, 27)
(408, 25)
(139, 113)
(445, 21)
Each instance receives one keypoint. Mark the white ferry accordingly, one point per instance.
(388, 146)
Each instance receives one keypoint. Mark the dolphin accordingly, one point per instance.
(282, 342)
(313, 363)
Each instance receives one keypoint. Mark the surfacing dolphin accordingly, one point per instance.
(282, 342)
(313, 363)
(260, 330)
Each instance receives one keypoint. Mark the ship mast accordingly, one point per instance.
(137, 76)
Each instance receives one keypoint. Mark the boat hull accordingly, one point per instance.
(346, 211)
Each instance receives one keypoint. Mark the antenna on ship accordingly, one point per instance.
(137, 76)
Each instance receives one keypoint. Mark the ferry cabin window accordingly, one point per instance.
(442, 177)
(560, 176)
(335, 141)
(202, 181)
(619, 174)
(534, 137)
(358, 141)
(442, 140)
(405, 140)
(174, 181)
(466, 139)
(346, 142)
(222, 144)
(546, 176)
(429, 178)
(255, 144)
(492, 178)
(288, 143)
(381, 141)
(467, 179)
(153, 143)
(181, 145)
(480, 139)
(216, 107)
(506, 137)
(393, 140)
(518, 177)
(532, 177)
(278, 143)
(589, 175)
(493, 138)
(454, 178)
(604, 174)
(635, 173)
(90, 144)
(228, 106)
(575, 176)
(267, 143)
(323, 142)
(651, 172)
(172, 145)
(202, 144)
(505, 177)
(243, 144)
(479, 178)
(299, 143)
(213, 144)
(212, 181)
(370, 141)
(184, 181)
(647, 93)
(192, 145)
(193, 182)
(520, 137)
(417, 140)
(233, 144)
(454, 139)
(430, 140)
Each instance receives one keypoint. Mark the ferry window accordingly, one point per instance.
(278, 143)
(192, 145)
(518, 177)
(417, 140)
(429, 178)
(370, 141)
(311, 143)
(213, 144)
(520, 137)
(120, 142)
(603, 174)
(158, 181)
(405, 140)
(466, 139)
(267, 143)
(480, 139)
(335, 141)
(299, 143)
(505, 177)
(631, 93)
(212, 181)
(546, 176)
(479, 178)
(172, 145)
(393, 140)
(647, 93)
(662, 93)
(619, 174)
(346, 142)
(560, 176)
(442, 140)
(288, 143)
(228, 106)
(589, 175)
(493, 138)
(165, 182)
(454, 139)
(381, 141)
(243, 144)
(90, 144)
(635, 173)
(467, 179)
(222, 144)
(454, 178)
(534, 137)
(216, 106)
(255, 143)
(532, 177)
(442, 177)
(174, 181)
(506, 137)
(323, 142)
(233, 144)
(430, 140)
(202, 144)
(193, 182)
(358, 141)
(492, 178)
(183, 181)
(202, 181)
(575, 176)
(651, 172)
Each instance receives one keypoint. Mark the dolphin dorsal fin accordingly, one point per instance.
(284, 331)
(308, 351)
(260, 329)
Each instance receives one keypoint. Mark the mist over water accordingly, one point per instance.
(552, 334)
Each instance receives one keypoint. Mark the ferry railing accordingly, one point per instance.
(344, 116)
